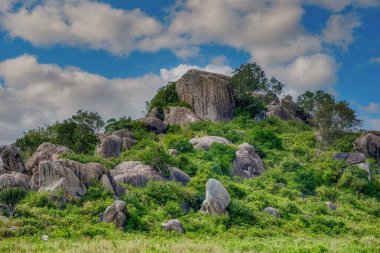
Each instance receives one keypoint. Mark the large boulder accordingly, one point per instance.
(178, 175)
(86, 173)
(128, 139)
(217, 198)
(208, 93)
(355, 158)
(287, 109)
(206, 141)
(135, 173)
(45, 152)
(10, 159)
(116, 214)
(110, 146)
(173, 225)
(12, 180)
(369, 144)
(110, 185)
(272, 211)
(55, 177)
(247, 163)
(180, 116)
(154, 124)
(278, 111)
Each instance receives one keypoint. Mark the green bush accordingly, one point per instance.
(11, 197)
(182, 145)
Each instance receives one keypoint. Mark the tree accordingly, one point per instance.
(330, 117)
(11, 197)
(91, 120)
(252, 89)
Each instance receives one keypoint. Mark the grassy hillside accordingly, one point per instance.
(296, 182)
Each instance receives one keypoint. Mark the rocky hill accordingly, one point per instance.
(196, 170)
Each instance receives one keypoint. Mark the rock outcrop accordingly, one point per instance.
(116, 214)
(217, 198)
(180, 116)
(173, 225)
(56, 178)
(178, 175)
(331, 206)
(12, 180)
(272, 211)
(45, 152)
(135, 173)
(154, 124)
(247, 163)
(208, 94)
(128, 139)
(369, 144)
(110, 146)
(11, 160)
(287, 109)
(206, 141)
(355, 158)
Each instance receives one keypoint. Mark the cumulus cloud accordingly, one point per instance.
(35, 94)
(373, 124)
(73, 23)
(339, 30)
(371, 108)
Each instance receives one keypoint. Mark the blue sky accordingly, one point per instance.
(111, 56)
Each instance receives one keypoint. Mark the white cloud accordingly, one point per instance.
(373, 124)
(81, 23)
(339, 30)
(375, 60)
(36, 94)
(371, 108)
(339, 5)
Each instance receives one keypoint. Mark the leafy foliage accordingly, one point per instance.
(11, 197)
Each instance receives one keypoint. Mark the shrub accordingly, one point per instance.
(179, 143)
(11, 197)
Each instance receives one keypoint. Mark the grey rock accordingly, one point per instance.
(217, 198)
(122, 133)
(4, 219)
(208, 94)
(341, 156)
(45, 152)
(178, 175)
(260, 116)
(331, 206)
(355, 158)
(116, 214)
(154, 124)
(173, 225)
(56, 178)
(86, 173)
(110, 146)
(127, 138)
(180, 116)
(279, 111)
(155, 113)
(110, 185)
(247, 163)
(11, 160)
(272, 211)
(11, 181)
(135, 173)
(369, 144)
(206, 141)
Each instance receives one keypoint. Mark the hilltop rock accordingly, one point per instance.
(128, 139)
(287, 109)
(110, 146)
(86, 173)
(155, 113)
(154, 124)
(12, 180)
(356, 158)
(206, 141)
(217, 198)
(369, 144)
(208, 94)
(45, 152)
(116, 214)
(135, 173)
(247, 163)
(180, 116)
(10, 159)
(56, 178)
(178, 175)
(272, 211)
(173, 225)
